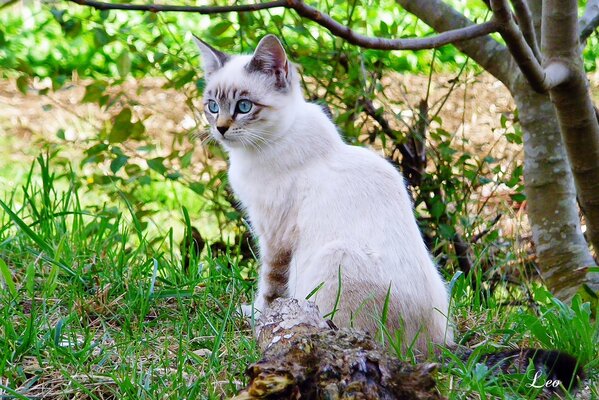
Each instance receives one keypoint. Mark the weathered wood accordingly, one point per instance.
(305, 357)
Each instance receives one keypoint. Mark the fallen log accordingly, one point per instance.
(306, 357)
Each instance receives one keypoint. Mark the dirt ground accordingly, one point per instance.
(470, 109)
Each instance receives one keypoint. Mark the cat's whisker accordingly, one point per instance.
(200, 135)
(256, 140)
(207, 139)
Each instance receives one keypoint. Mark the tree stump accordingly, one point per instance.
(306, 357)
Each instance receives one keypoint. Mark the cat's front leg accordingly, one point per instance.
(274, 276)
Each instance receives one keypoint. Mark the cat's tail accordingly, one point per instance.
(553, 369)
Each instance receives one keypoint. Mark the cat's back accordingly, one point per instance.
(366, 174)
(356, 193)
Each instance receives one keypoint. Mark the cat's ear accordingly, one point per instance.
(270, 58)
(212, 59)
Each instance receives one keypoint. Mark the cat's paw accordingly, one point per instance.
(250, 311)
(246, 310)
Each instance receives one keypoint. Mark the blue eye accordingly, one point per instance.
(244, 106)
(212, 106)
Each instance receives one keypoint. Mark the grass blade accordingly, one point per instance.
(6, 274)
(28, 231)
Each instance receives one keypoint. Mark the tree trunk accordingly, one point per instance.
(562, 252)
(305, 358)
(561, 249)
(575, 110)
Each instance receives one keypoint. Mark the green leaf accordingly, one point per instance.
(173, 175)
(446, 231)
(72, 27)
(58, 14)
(118, 163)
(197, 187)
(122, 127)
(7, 275)
(201, 84)
(518, 197)
(123, 64)
(101, 38)
(157, 165)
(220, 28)
(94, 92)
(437, 209)
(95, 149)
(384, 28)
(513, 138)
(186, 159)
(137, 130)
(23, 84)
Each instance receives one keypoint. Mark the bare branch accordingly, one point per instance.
(521, 51)
(589, 21)
(346, 33)
(7, 3)
(192, 9)
(486, 51)
(324, 20)
(524, 18)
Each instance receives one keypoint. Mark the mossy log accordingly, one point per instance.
(306, 357)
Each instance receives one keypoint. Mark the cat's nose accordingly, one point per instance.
(222, 129)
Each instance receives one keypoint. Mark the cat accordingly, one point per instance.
(334, 222)
(329, 217)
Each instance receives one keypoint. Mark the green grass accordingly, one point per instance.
(95, 305)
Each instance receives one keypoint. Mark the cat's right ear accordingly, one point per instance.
(212, 59)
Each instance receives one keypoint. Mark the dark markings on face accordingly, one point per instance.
(221, 94)
(254, 115)
(278, 275)
(230, 96)
(279, 77)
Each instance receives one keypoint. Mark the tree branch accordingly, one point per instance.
(7, 3)
(540, 79)
(515, 41)
(589, 21)
(486, 51)
(322, 19)
(524, 18)
(346, 33)
(205, 10)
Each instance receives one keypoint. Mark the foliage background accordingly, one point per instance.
(96, 298)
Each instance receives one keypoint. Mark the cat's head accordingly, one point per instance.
(249, 100)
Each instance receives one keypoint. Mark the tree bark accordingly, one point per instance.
(575, 110)
(561, 248)
(306, 358)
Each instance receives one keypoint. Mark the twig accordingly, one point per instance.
(524, 18)
(324, 20)
(6, 3)
(541, 80)
(589, 21)
(480, 235)
(206, 10)
(521, 51)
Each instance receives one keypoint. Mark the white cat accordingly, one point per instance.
(328, 216)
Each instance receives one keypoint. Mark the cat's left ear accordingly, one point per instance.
(270, 58)
(212, 59)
